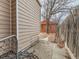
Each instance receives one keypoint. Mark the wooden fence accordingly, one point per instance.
(71, 34)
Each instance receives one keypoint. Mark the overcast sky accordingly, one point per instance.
(75, 3)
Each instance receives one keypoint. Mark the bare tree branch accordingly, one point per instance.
(56, 6)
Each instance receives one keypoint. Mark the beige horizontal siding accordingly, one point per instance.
(4, 18)
(7, 24)
(4, 25)
(28, 23)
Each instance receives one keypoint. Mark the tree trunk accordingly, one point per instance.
(47, 25)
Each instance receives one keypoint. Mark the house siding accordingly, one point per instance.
(28, 23)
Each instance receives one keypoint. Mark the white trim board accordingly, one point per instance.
(69, 51)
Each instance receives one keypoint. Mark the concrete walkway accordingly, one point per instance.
(47, 50)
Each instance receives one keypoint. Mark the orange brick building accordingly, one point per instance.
(52, 26)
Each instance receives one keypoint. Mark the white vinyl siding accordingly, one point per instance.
(7, 25)
(4, 18)
(28, 23)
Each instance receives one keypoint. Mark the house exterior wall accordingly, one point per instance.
(4, 18)
(20, 18)
(28, 26)
(43, 28)
(13, 25)
(4, 24)
(52, 27)
(13, 16)
(7, 25)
